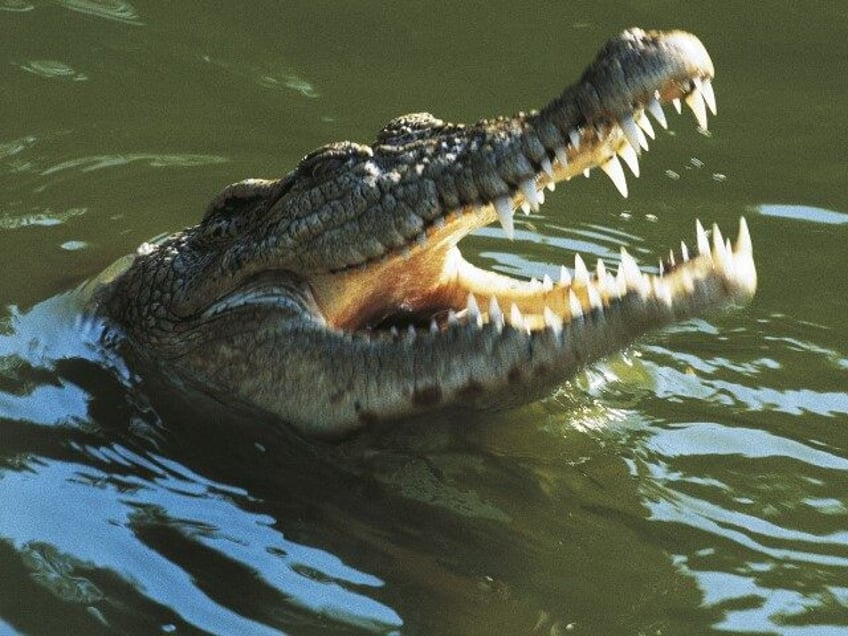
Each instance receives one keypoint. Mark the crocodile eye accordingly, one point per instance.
(408, 128)
(328, 160)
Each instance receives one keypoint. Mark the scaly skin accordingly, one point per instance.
(337, 296)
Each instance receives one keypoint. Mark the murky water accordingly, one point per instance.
(696, 482)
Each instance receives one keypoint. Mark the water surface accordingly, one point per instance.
(697, 482)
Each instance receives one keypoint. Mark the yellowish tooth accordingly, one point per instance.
(655, 108)
(551, 185)
(703, 241)
(630, 157)
(695, 101)
(684, 252)
(628, 266)
(574, 306)
(503, 206)
(586, 173)
(564, 276)
(676, 103)
(552, 321)
(496, 316)
(516, 319)
(528, 189)
(547, 283)
(616, 174)
(633, 133)
(743, 240)
(601, 271)
(645, 124)
(706, 88)
(561, 155)
(472, 307)
(581, 274)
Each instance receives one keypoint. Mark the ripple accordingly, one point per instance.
(52, 69)
(16, 6)
(291, 82)
(99, 162)
(45, 218)
(109, 9)
(807, 213)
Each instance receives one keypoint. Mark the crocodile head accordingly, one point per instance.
(337, 295)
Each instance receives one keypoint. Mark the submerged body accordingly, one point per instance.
(337, 295)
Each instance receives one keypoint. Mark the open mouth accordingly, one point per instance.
(427, 285)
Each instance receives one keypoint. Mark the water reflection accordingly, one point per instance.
(116, 10)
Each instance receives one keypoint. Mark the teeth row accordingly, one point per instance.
(636, 129)
(601, 285)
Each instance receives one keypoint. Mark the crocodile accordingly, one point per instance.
(336, 296)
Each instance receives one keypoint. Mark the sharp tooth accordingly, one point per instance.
(434, 326)
(503, 206)
(551, 185)
(574, 306)
(684, 252)
(547, 283)
(671, 257)
(633, 133)
(703, 241)
(743, 240)
(632, 275)
(627, 153)
(528, 189)
(525, 207)
(721, 254)
(695, 101)
(662, 269)
(564, 276)
(547, 167)
(574, 137)
(495, 314)
(655, 108)
(705, 87)
(472, 306)
(595, 300)
(581, 274)
(718, 239)
(616, 174)
(601, 271)
(515, 317)
(552, 320)
(676, 103)
(561, 156)
(473, 310)
(645, 124)
(411, 331)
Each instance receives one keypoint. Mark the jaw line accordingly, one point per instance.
(430, 280)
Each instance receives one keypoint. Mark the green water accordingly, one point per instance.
(696, 483)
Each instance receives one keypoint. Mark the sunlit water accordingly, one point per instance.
(696, 482)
